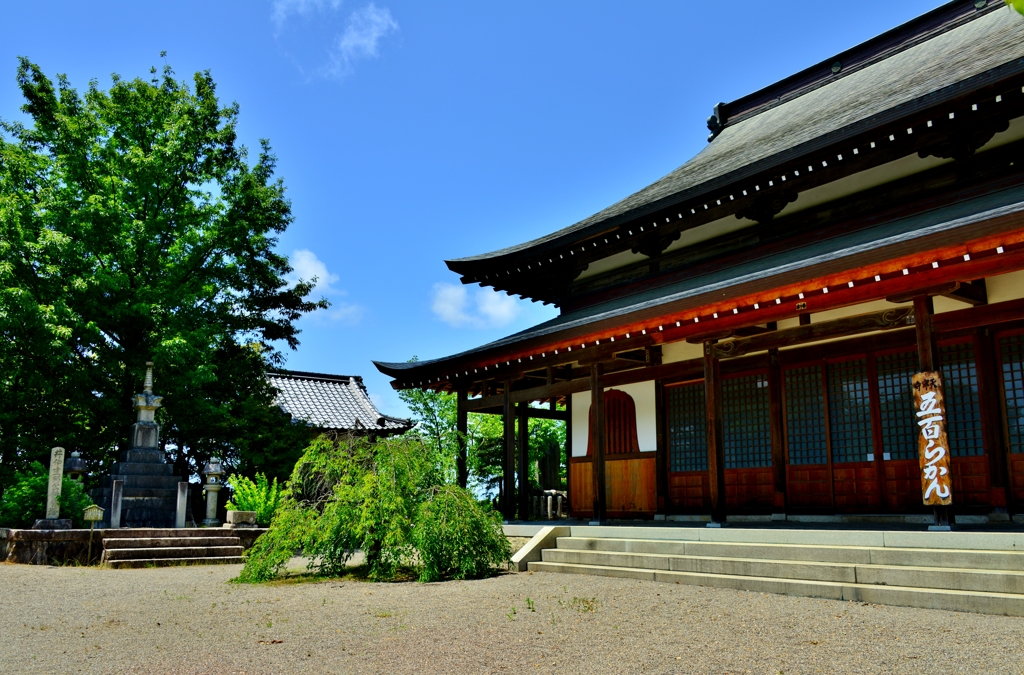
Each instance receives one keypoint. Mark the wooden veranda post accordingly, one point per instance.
(928, 362)
(462, 427)
(715, 431)
(600, 436)
(508, 502)
(778, 439)
(523, 464)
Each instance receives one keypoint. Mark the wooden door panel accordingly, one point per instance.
(630, 486)
(581, 495)
(752, 489)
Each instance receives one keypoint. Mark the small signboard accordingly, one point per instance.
(92, 513)
(932, 442)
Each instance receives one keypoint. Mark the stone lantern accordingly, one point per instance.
(213, 470)
(75, 467)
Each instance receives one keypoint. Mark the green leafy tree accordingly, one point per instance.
(25, 501)
(388, 500)
(261, 497)
(133, 227)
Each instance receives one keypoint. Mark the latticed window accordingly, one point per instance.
(1011, 350)
(747, 420)
(849, 411)
(619, 424)
(963, 406)
(687, 427)
(805, 416)
(899, 425)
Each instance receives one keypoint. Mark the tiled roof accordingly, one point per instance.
(335, 402)
(920, 73)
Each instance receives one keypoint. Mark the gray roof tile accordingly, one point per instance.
(335, 402)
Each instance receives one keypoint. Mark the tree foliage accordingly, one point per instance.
(25, 501)
(262, 497)
(386, 499)
(133, 227)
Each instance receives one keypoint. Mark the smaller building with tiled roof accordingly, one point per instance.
(333, 403)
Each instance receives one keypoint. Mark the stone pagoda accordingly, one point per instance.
(149, 492)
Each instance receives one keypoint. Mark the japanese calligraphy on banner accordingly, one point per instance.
(932, 443)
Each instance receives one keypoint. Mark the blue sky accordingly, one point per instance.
(410, 132)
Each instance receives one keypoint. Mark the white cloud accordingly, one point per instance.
(304, 8)
(362, 34)
(452, 304)
(306, 266)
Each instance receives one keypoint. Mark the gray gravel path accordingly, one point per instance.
(189, 620)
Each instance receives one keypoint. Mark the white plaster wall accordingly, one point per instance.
(1005, 287)
(646, 427)
(674, 352)
(580, 424)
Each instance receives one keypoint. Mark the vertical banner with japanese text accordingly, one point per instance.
(932, 443)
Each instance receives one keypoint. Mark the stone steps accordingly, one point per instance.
(171, 562)
(963, 601)
(168, 546)
(981, 572)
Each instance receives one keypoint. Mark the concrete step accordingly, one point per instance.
(931, 598)
(170, 552)
(1010, 560)
(110, 543)
(963, 579)
(171, 562)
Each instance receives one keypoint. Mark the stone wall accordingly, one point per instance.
(71, 547)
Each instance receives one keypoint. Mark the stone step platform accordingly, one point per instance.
(141, 469)
(966, 571)
(963, 601)
(162, 493)
(176, 552)
(118, 543)
(170, 546)
(138, 481)
(172, 562)
(143, 455)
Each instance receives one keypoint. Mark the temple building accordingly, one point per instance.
(337, 403)
(749, 335)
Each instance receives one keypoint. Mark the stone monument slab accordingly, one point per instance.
(53, 488)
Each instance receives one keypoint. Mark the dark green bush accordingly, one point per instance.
(25, 502)
(457, 538)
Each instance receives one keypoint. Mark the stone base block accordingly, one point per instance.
(242, 518)
(52, 524)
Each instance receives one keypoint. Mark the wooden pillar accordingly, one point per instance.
(599, 431)
(462, 427)
(716, 435)
(508, 504)
(777, 432)
(568, 453)
(992, 423)
(928, 361)
(661, 447)
(523, 464)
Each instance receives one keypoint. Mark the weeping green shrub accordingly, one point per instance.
(25, 502)
(263, 497)
(458, 538)
(349, 494)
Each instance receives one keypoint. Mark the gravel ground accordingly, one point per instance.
(190, 620)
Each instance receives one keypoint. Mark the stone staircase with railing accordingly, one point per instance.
(966, 571)
(165, 547)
